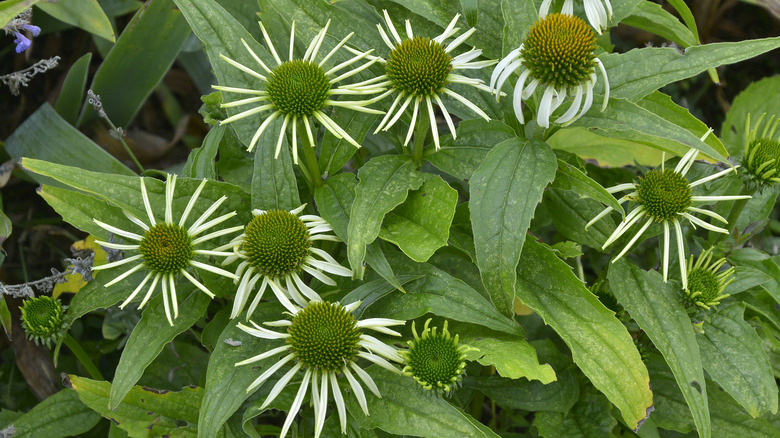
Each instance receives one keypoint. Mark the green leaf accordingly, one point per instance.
(557, 396)
(273, 180)
(761, 261)
(652, 17)
(461, 157)
(11, 8)
(336, 152)
(5, 318)
(657, 308)
(47, 136)
(569, 177)
(151, 334)
(60, 415)
(606, 151)
(512, 355)
(226, 384)
(461, 236)
(421, 225)
(403, 399)
(636, 74)
(627, 120)
(84, 14)
(589, 418)
(570, 214)
(146, 411)
(745, 278)
(734, 358)
(71, 96)
(751, 101)
(384, 184)
(505, 191)
(139, 60)
(600, 344)
(201, 161)
(518, 18)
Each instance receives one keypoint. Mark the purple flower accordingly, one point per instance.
(35, 30)
(22, 42)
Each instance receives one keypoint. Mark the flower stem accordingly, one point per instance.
(420, 135)
(309, 157)
(81, 355)
(736, 209)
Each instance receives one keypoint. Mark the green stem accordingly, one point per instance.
(736, 209)
(125, 145)
(81, 355)
(420, 134)
(309, 156)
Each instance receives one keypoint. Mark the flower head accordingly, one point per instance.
(558, 55)
(420, 69)
(43, 319)
(435, 360)
(300, 89)
(166, 248)
(276, 247)
(19, 24)
(762, 153)
(705, 283)
(325, 340)
(598, 14)
(665, 196)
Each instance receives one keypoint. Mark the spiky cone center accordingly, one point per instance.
(166, 248)
(434, 360)
(559, 50)
(419, 67)
(298, 88)
(42, 318)
(276, 243)
(664, 194)
(763, 159)
(324, 336)
(703, 285)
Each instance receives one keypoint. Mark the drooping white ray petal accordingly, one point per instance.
(340, 406)
(296, 404)
(270, 371)
(633, 240)
(356, 389)
(681, 253)
(117, 231)
(666, 250)
(136, 290)
(150, 291)
(367, 380)
(270, 44)
(126, 274)
(267, 354)
(197, 283)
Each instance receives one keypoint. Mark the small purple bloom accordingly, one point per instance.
(35, 30)
(22, 42)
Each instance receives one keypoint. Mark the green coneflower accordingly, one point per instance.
(705, 284)
(276, 247)
(435, 360)
(558, 54)
(325, 340)
(666, 196)
(419, 70)
(43, 319)
(762, 153)
(300, 89)
(166, 248)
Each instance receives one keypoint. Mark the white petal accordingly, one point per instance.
(296, 404)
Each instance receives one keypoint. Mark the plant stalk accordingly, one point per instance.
(82, 356)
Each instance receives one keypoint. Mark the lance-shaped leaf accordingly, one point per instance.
(273, 180)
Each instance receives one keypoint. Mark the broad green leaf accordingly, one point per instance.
(60, 415)
(421, 224)
(600, 344)
(370, 292)
(84, 14)
(47, 136)
(657, 309)
(762, 262)
(687, 16)
(734, 358)
(751, 101)
(570, 214)
(226, 384)
(139, 60)
(72, 94)
(652, 17)
(460, 232)
(764, 304)
(201, 161)
(146, 411)
(626, 120)
(11, 8)
(273, 180)
(745, 278)
(569, 177)
(5, 318)
(505, 191)
(334, 200)
(405, 409)
(335, 152)
(470, 11)
(512, 355)
(462, 156)
(384, 184)
(519, 17)
(235, 165)
(606, 151)
(441, 294)
(589, 418)
(637, 73)
(557, 396)
(151, 334)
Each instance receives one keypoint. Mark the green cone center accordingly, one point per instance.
(704, 281)
(166, 248)
(419, 67)
(42, 316)
(324, 336)
(298, 88)
(434, 360)
(761, 151)
(559, 50)
(276, 243)
(664, 194)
